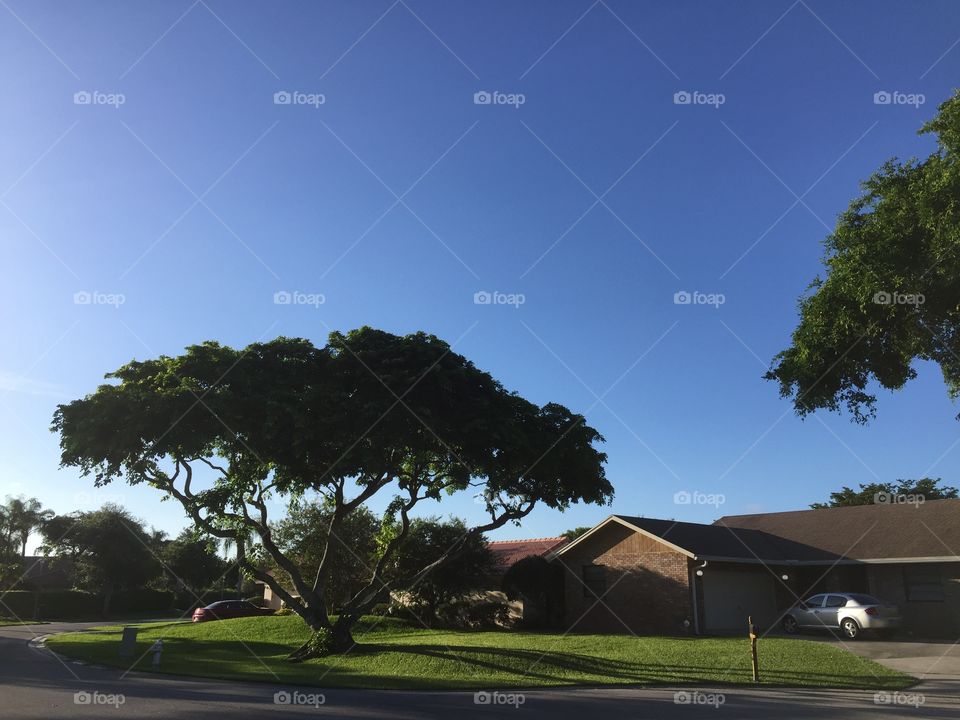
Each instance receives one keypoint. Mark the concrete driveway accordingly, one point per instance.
(929, 661)
(35, 683)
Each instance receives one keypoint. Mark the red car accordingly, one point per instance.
(226, 609)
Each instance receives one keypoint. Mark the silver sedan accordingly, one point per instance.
(850, 613)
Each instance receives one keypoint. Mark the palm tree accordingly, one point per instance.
(21, 518)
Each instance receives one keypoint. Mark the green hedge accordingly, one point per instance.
(54, 604)
(142, 600)
(73, 604)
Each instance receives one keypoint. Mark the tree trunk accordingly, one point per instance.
(107, 596)
(326, 639)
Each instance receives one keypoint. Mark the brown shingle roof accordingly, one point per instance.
(865, 532)
(716, 541)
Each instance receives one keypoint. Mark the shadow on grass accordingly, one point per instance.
(456, 666)
(567, 667)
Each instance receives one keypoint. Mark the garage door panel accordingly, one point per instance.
(730, 596)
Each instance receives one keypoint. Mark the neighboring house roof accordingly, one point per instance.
(897, 531)
(507, 552)
(716, 541)
(867, 533)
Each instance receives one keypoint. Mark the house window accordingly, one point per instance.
(923, 584)
(594, 581)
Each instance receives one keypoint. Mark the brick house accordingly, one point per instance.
(507, 552)
(644, 575)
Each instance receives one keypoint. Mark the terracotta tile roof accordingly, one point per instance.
(507, 552)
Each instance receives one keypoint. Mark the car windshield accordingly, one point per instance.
(865, 600)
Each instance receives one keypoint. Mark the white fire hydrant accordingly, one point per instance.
(157, 650)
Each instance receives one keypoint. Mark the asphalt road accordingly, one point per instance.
(35, 683)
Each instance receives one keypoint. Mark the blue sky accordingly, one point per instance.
(183, 189)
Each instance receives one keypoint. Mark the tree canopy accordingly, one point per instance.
(927, 488)
(111, 549)
(368, 412)
(892, 289)
(191, 562)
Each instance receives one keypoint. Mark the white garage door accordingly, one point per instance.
(730, 596)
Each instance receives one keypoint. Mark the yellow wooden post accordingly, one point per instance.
(753, 648)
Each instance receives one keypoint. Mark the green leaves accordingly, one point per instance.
(367, 406)
(892, 291)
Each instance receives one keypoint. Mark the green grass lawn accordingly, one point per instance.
(391, 654)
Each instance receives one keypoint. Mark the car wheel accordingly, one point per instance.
(850, 628)
(790, 625)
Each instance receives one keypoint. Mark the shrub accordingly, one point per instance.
(474, 614)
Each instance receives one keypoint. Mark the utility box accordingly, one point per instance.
(128, 643)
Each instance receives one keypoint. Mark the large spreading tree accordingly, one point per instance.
(891, 294)
(225, 431)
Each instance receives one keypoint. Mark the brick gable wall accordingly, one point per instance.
(647, 585)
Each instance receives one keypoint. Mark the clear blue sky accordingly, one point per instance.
(198, 198)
